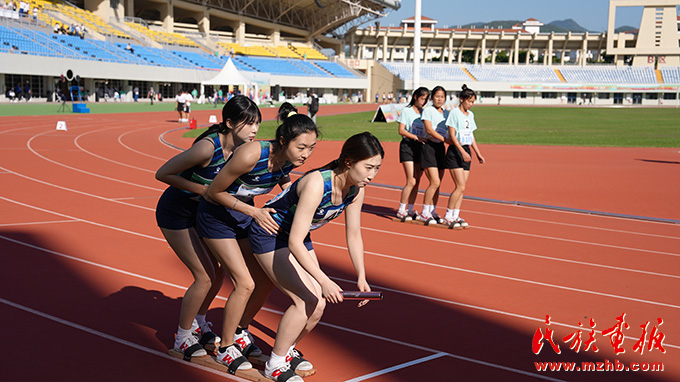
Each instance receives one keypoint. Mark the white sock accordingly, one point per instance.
(183, 333)
(402, 207)
(276, 360)
(449, 214)
(427, 208)
(200, 318)
(456, 214)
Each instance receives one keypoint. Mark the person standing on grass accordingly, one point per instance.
(288, 256)
(412, 130)
(461, 125)
(189, 174)
(433, 157)
(227, 210)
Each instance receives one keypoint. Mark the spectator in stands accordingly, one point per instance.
(17, 90)
(82, 31)
(57, 27)
(129, 48)
(35, 14)
(411, 129)
(136, 93)
(22, 6)
(10, 94)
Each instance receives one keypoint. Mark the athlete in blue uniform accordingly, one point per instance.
(288, 257)
(225, 214)
(189, 174)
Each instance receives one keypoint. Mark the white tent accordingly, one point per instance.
(229, 75)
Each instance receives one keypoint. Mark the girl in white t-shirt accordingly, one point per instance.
(433, 157)
(461, 124)
(413, 132)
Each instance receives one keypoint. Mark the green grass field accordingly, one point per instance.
(568, 126)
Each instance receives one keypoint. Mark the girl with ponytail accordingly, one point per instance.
(461, 124)
(288, 256)
(188, 175)
(226, 212)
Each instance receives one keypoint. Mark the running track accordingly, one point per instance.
(90, 290)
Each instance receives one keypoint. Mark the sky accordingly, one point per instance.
(590, 14)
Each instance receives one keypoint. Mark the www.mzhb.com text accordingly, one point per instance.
(606, 365)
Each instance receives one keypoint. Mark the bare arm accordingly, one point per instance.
(454, 141)
(476, 149)
(243, 161)
(355, 243)
(310, 191)
(429, 129)
(198, 154)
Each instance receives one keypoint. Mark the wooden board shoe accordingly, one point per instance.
(261, 361)
(420, 222)
(253, 374)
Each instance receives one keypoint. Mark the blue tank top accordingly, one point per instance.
(205, 175)
(259, 180)
(286, 202)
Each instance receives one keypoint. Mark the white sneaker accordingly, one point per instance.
(246, 344)
(233, 359)
(205, 335)
(294, 357)
(283, 371)
(403, 215)
(189, 346)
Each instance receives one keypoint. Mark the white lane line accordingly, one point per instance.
(182, 288)
(116, 339)
(439, 355)
(120, 140)
(525, 254)
(583, 226)
(515, 279)
(81, 148)
(106, 177)
(34, 223)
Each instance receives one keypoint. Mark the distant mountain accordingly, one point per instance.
(557, 26)
(568, 24)
(625, 28)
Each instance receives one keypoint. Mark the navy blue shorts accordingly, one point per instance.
(215, 221)
(176, 209)
(262, 241)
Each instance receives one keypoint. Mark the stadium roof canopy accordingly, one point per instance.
(318, 17)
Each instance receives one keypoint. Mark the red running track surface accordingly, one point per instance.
(85, 271)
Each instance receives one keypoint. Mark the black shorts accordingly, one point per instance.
(176, 209)
(433, 155)
(215, 221)
(409, 150)
(454, 159)
(180, 106)
(262, 241)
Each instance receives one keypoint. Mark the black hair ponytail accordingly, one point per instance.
(240, 110)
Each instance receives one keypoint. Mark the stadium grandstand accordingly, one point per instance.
(283, 47)
(287, 47)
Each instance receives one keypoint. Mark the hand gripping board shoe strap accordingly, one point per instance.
(191, 350)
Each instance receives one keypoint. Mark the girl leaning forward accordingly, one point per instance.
(289, 258)
(227, 210)
(189, 174)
